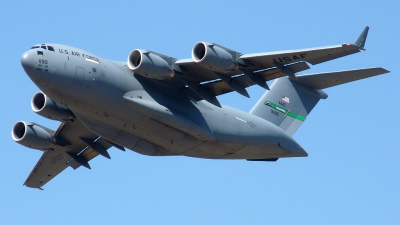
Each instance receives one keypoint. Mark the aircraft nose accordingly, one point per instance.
(28, 60)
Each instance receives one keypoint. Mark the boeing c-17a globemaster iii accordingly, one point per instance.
(158, 105)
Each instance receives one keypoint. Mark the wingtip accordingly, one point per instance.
(384, 70)
(380, 70)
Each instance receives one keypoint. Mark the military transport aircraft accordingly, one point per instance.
(158, 105)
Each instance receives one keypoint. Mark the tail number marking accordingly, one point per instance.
(276, 109)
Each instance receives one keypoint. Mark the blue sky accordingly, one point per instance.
(350, 177)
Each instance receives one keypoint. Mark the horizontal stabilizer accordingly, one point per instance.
(326, 80)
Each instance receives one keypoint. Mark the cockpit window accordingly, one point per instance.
(44, 47)
(35, 47)
(40, 52)
(50, 48)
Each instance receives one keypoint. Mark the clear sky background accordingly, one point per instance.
(351, 175)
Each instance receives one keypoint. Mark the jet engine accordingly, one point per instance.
(149, 64)
(44, 106)
(33, 135)
(213, 57)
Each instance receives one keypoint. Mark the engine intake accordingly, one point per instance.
(44, 106)
(148, 64)
(33, 135)
(213, 57)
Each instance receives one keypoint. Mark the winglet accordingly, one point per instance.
(360, 42)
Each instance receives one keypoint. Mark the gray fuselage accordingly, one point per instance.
(147, 115)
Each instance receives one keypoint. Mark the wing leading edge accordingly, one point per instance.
(312, 55)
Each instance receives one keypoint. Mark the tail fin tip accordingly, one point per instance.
(360, 42)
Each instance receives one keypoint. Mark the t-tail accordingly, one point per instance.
(291, 99)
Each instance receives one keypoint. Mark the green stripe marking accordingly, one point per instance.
(284, 111)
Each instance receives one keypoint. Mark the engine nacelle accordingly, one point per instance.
(33, 136)
(44, 106)
(148, 64)
(213, 57)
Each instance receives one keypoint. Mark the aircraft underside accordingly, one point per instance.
(143, 137)
(158, 105)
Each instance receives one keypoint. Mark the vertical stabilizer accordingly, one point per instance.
(287, 104)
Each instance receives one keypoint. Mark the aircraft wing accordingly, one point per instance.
(262, 61)
(76, 146)
(312, 55)
(205, 83)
